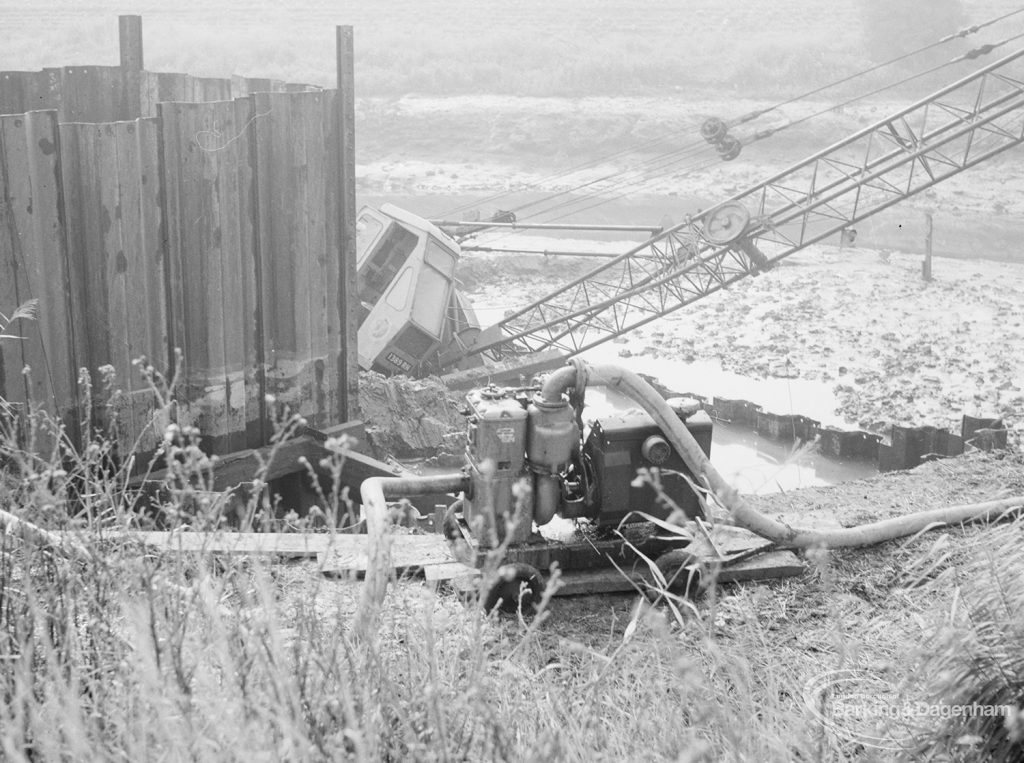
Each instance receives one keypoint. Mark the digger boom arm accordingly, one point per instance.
(962, 125)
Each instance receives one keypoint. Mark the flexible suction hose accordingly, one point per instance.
(742, 513)
(374, 493)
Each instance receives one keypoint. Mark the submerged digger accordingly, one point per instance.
(530, 458)
(414, 320)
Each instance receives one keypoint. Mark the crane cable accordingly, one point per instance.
(632, 185)
(658, 163)
(963, 33)
(968, 56)
(739, 120)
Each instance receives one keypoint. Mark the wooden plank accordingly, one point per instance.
(26, 91)
(116, 261)
(149, 93)
(207, 89)
(206, 169)
(12, 91)
(149, 267)
(409, 553)
(230, 145)
(53, 353)
(299, 282)
(336, 553)
(138, 270)
(246, 260)
(92, 94)
(769, 566)
(253, 85)
(33, 264)
(342, 554)
(278, 294)
(319, 312)
(445, 571)
(584, 582)
(292, 545)
(172, 86)
(13, 387)
(84, 216)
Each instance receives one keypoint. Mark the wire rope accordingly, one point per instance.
(702, 145)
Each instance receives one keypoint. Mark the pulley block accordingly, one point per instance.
(726, 223)
(729, 148)
(713, 129)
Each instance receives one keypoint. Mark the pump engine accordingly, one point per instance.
(528, 462)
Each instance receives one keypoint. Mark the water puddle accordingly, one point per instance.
(757, 465)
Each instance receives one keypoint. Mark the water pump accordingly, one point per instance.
(528, 463)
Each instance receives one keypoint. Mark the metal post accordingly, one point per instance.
(130, 32)
(926, 266)
(348, 301)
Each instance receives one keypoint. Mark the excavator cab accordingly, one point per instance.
(409, 307)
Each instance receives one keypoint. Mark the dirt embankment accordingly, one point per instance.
(412, 418)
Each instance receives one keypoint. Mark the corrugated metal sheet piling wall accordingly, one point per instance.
(152, 211)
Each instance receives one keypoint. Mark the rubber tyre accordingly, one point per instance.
(682, 572)
(515, 585)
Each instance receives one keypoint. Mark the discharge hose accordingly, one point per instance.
(744, 515)
(374, 493)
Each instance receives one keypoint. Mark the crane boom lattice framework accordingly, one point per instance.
(938, 137)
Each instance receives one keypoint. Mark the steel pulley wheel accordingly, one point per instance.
(713, 130)
(726, 223)
(516, 586)
(682, 572)
(729, 148)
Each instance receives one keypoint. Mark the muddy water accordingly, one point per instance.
(750, 462)
(753, 463)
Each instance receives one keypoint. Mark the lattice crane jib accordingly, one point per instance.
(907, 152)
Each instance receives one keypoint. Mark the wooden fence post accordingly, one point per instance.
(130, 32)
(348, 299)
(926, 266)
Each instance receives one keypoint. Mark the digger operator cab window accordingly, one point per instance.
(367, 230)
(378, 271)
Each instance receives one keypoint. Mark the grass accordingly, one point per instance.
(111, 651)
(125, 653)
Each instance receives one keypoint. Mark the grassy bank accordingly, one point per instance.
(122, 652)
